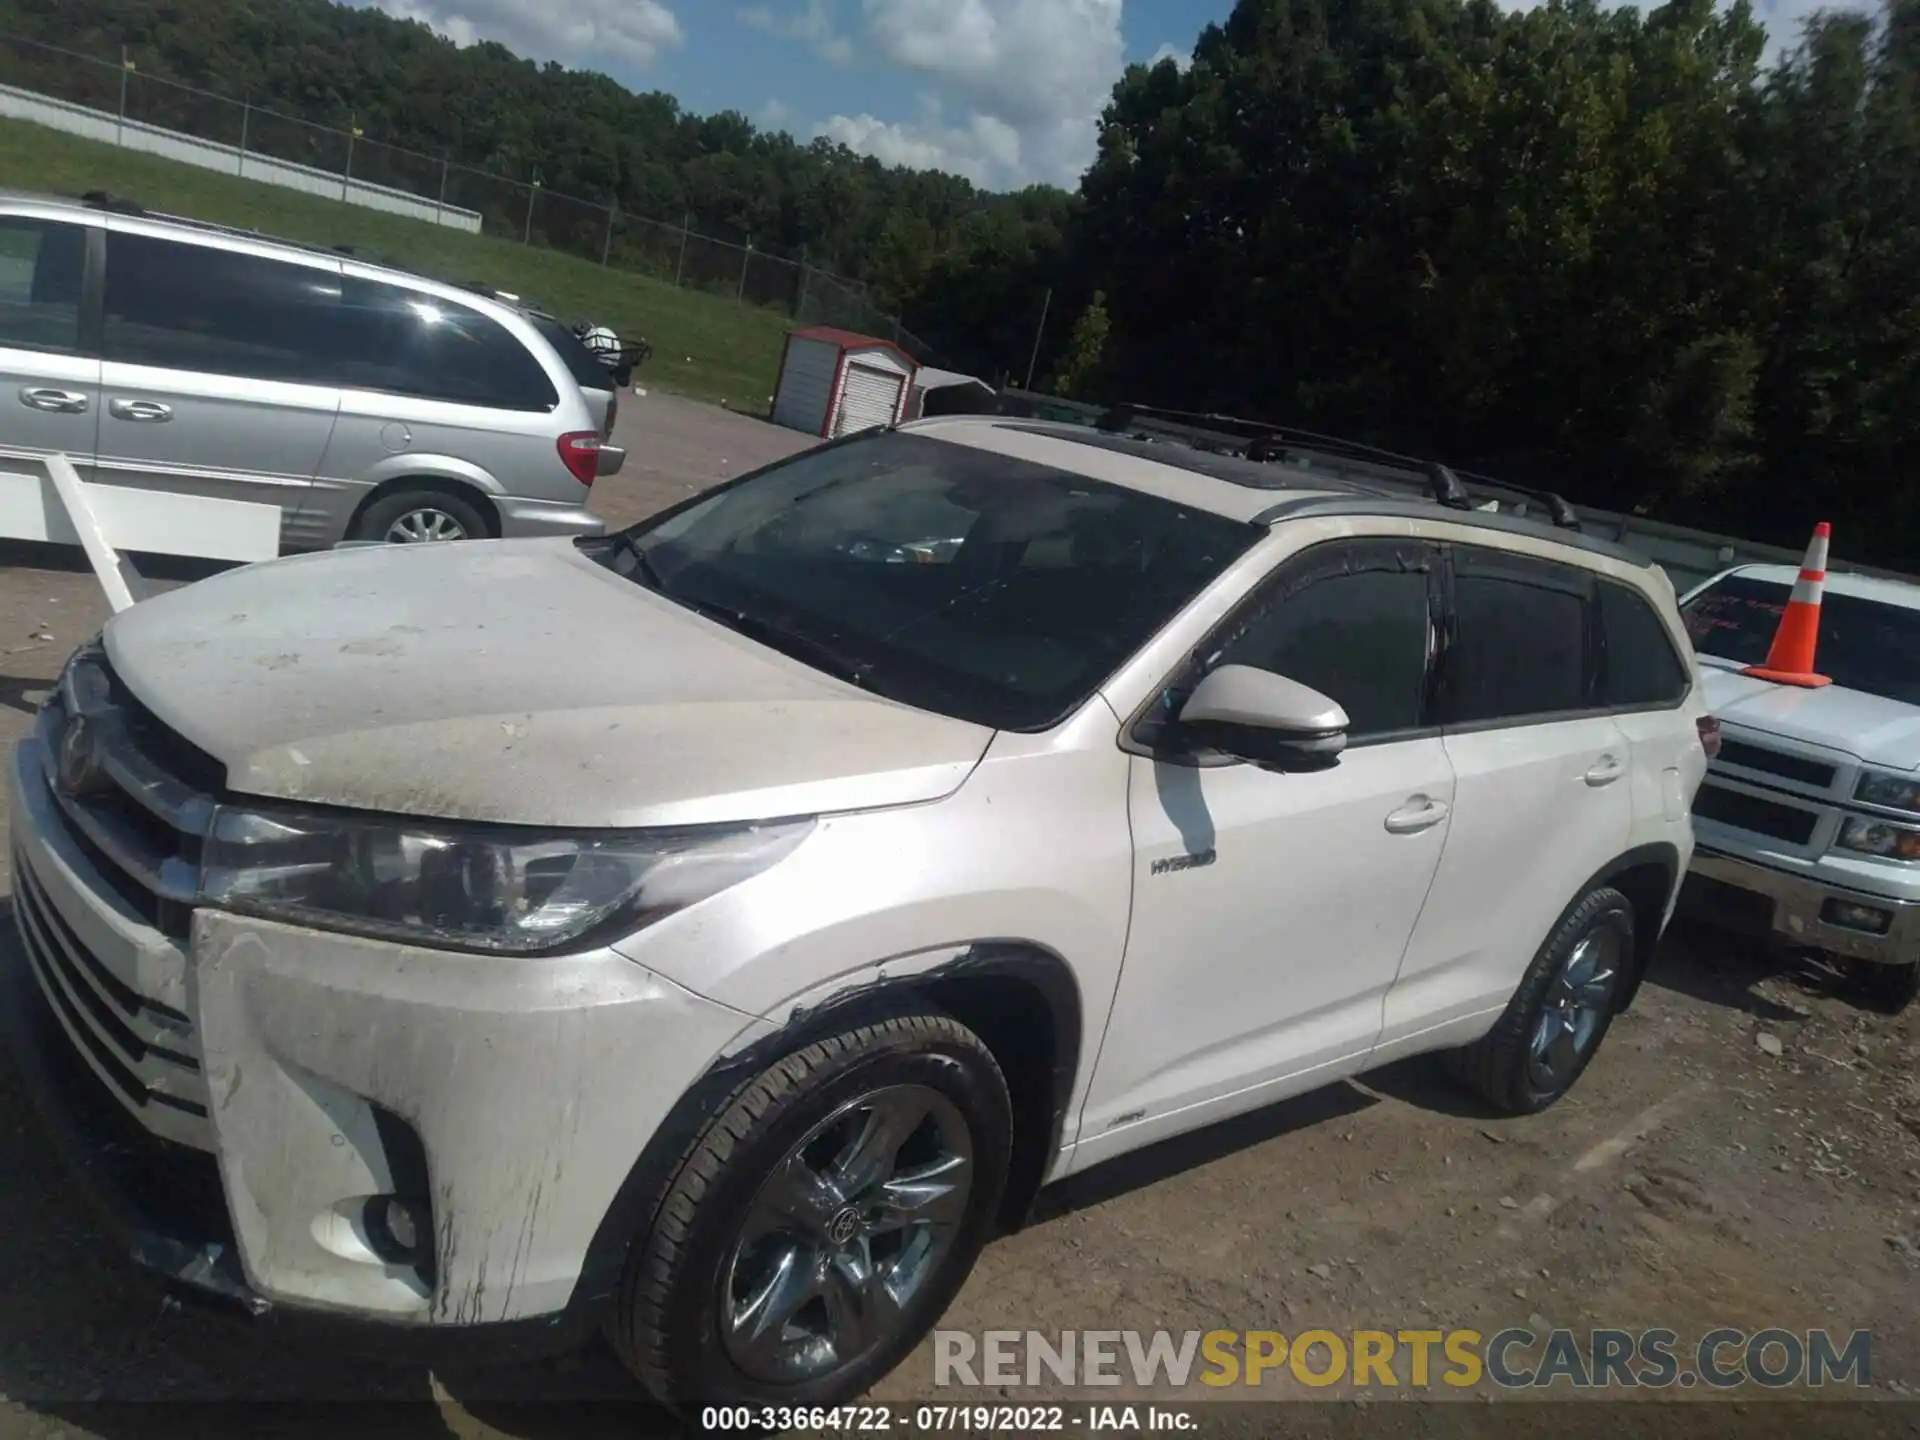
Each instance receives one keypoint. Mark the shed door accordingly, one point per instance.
(869, 398)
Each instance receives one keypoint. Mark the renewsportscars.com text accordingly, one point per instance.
(1514, 1358)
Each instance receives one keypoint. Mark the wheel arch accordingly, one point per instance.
(1020, 998)
(459, 486)
(1649, 876)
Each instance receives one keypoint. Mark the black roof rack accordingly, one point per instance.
(1256, 440)
(107, 200)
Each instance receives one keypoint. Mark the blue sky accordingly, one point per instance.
(1005, 92)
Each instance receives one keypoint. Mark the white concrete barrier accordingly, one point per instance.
(46, 500)
(18, 104)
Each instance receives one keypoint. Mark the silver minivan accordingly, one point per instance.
(368, 403)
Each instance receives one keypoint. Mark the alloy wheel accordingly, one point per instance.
(1574, 1008)
(845, 1233)
(425, 525)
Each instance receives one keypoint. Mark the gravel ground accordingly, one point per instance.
(1745, 1151)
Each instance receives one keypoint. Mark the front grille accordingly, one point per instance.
(1751, 812)
(137, 799)
(147, 1053)
(113, 777)
(1775, 762)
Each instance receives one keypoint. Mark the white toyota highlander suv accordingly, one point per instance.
(716, 931)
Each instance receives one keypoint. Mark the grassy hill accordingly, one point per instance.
(703, 345)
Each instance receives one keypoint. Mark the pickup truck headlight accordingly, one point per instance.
(1890, 792)
(1880, 837)
(471, 887)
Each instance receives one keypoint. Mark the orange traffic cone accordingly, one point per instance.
(1790, 661)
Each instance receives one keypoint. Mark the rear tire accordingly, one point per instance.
(414, 516)
(781, 1268)
(1557, 1018)
(1888, 989)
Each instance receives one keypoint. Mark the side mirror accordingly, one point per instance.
(1265, 718)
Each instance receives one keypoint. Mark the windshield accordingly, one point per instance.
(939, 575)
(1864, 644)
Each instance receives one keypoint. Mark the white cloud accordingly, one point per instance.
(775, 114)
(812, 24)
(1030, 77)
(593, 34)
(1169, 51)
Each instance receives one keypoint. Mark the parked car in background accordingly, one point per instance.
(367, 402)
(1808, 825)
(725, 972)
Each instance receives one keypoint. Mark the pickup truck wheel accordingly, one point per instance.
(1886, 988)
(1561, 1012)
(824, 1221)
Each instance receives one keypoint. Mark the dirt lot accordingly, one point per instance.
(1744, 1152)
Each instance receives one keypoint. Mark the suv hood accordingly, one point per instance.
(513, 681)
(1867, 727)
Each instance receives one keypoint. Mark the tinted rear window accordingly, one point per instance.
(41, 263)
(215, 311)
(1864, 644)
(1639, 666)
(410, 343)
(587, 371)
(1519, 648)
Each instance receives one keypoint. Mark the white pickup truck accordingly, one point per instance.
(1807, 827)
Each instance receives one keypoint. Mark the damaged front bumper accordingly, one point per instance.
(243, 1100)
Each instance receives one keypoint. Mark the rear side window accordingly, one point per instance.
(587, 371)
(1353, 624)
(220, 312)
(410, 343)
(41, 265)
(1638, 665)
(1519, 648)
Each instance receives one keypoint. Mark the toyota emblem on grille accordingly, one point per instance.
(77, 764)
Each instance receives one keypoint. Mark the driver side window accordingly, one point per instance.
(1350, 620)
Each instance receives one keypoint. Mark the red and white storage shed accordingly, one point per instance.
(834, 382)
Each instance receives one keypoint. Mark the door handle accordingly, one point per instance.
(139, 410)
(1605, 771)
(60, 402)
(1420, 813)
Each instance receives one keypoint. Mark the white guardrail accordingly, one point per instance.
(56, 506)
(18, 104)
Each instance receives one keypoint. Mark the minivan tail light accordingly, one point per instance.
(1709, 727)
(580, 453)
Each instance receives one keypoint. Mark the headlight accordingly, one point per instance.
(1892, 792)
(1878, 837)
(469, 887)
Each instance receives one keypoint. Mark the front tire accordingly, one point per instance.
(823, 1222)
(1561, 1012)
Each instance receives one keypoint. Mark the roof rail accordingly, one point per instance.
(107, 200)
(1259, 441)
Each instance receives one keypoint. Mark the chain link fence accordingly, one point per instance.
(671, 250)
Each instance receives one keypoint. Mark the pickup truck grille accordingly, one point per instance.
(1753, 813)
(1746, 756)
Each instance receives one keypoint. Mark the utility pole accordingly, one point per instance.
(606, 249)
(440, 205)
(1039, 330)
(746, 259)
(246, 116)
(126, 69)
(800, 305)
(680, 268)
(533, 193)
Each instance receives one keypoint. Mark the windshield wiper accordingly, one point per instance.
(799, 647)
(644, 569)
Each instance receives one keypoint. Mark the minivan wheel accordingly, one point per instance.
(414, 517)
(823, 1222)
(1561, 1012)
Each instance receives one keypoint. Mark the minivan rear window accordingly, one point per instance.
(407, 342)
(587, 371)
(41, 262)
